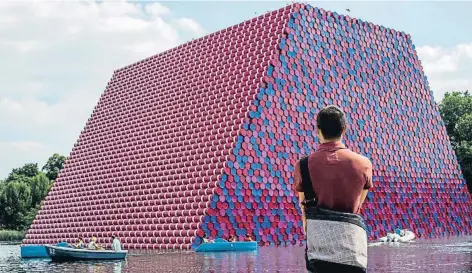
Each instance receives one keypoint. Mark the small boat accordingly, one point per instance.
(391, 237)
(59, 253)
(406, 236)
(223, 245)
(38, 251)
(402, 236)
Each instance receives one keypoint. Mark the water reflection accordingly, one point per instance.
(446, 255)
(229, 262)
(102, 267)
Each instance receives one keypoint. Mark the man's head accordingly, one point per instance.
(113, 236)
(331, 124)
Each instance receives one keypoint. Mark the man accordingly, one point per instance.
(116, 244)
(332, 184)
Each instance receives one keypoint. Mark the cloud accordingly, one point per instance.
(190, 25)
(448, 69)
(22, 152)
(56, 59)
(23, 46)
(156, 9)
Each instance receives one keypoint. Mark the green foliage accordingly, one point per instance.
(22, 192)
(2, 186)
(464, 156)
(19, 178)
(11, 235)
(39, 188)
(15, 201)
(27, 171)
(29, 216)
(54, 166)
(464, 127)
(456, 111)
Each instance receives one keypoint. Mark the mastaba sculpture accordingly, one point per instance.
(203, 138)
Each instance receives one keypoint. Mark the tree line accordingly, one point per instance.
(456, 112)
(22, 192)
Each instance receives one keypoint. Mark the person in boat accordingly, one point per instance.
(398, 230)
(232, 239)
(206, 240)
(80, 243)
(93, 245)
(115, 244)
(248, 238)
(332, 184)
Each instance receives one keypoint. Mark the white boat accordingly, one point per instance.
(404, 236)
(389, 238)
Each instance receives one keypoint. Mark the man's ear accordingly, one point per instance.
(319, 134)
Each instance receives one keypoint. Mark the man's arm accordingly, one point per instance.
(363, 196)
(301, 198)
(367, 186)
(299, 189)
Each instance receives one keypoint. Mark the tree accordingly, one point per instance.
(24, 189)
(464, 156)
(28, 218)
(15, 202)
(464, 127)
(456, 112)
(40, 185)
(54, 166)
(24, 174)
(2, 185)
(28, 170)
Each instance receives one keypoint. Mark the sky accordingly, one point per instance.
(57, 57)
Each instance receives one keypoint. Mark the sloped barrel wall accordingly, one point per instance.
(149, 159)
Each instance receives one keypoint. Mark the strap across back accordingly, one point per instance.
(310, 197)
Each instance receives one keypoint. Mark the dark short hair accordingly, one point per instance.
(331, 121)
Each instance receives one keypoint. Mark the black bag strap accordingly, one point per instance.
(306, 181)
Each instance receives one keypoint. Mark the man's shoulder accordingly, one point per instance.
(359, 158)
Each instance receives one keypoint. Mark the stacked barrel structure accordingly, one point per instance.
(374, 74)
(203, 138)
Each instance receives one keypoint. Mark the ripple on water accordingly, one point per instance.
(444, 255)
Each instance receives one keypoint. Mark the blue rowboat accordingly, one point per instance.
(58, 253)
(37, 251)
(223, 245)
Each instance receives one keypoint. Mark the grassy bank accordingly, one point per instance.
(11, 235)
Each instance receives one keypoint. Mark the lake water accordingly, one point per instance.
(452, 255)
